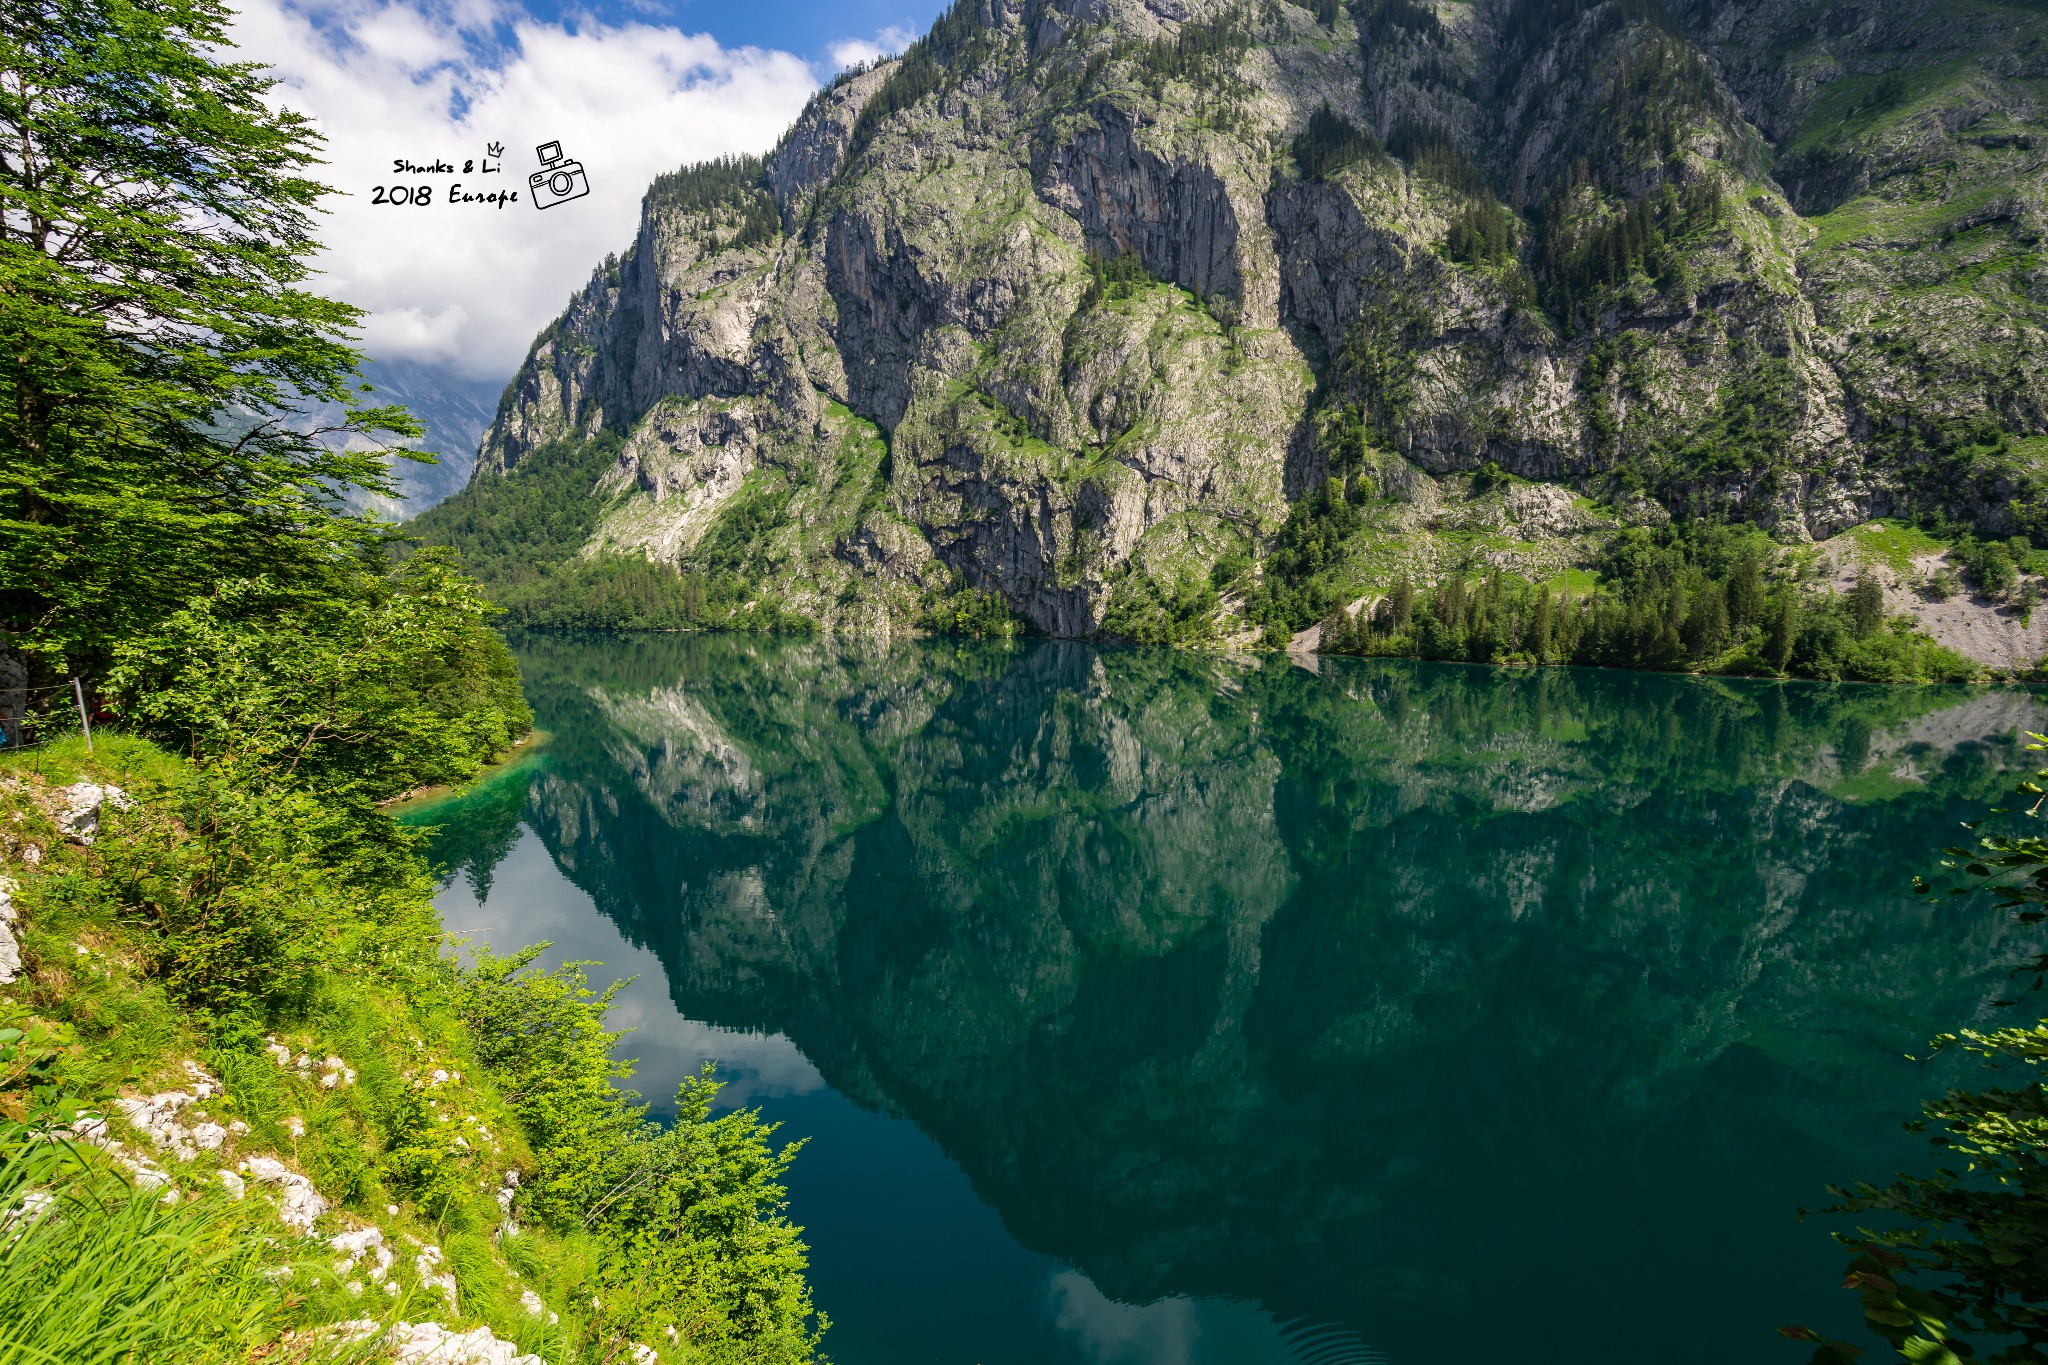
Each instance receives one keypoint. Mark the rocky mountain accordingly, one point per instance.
(456, 413)
(1083, 305)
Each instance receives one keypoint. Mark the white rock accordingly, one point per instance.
(426, 1264)
(301, 1205)
(531, 1302)
(429, 1343)
(208, 1137)
(91, 1130)
(279, 1053)
(354, 1243)
(296, 1126)
(645, 1355)
(238, 1128)
(35, 1202)
(83, 804)
(157, 1119)
(10, 950)
(234, 1184)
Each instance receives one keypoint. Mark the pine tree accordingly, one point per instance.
(1778, 640)
(1866, 605)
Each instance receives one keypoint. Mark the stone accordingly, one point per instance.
(299, 1205)
(10, 948)
(78, 818)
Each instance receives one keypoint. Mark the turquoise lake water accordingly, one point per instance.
(1154, 1009)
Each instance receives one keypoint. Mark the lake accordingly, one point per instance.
(1145, 1008)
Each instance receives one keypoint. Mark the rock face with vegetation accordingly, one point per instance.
(1087, 312)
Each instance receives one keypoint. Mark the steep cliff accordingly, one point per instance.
(1075, 302)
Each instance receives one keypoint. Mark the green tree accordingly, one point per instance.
(1866, 605)
(1783, 633)
(395, 684)
(156, 224)
(1746, 591)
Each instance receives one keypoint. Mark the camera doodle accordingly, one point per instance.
(558, 180)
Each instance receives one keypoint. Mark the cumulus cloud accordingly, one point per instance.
(852, 51)
(466, 286)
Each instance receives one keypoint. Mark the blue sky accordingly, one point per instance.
(807, 28)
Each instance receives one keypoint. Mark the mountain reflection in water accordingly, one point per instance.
(1178, 1010)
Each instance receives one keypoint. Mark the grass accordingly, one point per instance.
(1894, 544)
(1843, 104)
(107, 1274)
(1574, 583)
(1862, 218)
(126, 1277)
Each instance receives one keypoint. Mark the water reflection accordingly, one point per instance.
(1382, 1009)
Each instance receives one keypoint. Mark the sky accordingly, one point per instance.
(628, 88)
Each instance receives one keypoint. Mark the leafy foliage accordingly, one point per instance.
(1203, 55)
(357, 698)
(689, 1217)
(1575, 267)
(1432, 152)
(1381, 21)
(1481, 234)
(1115, 277)
(539, 512)
(1144, 612)
(976, 613)
(155, 227)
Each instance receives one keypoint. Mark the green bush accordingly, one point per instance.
(688, 1218)
(360, 696)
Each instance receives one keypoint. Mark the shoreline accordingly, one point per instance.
(520, 753)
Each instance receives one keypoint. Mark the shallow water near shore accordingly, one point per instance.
(1156, 1009)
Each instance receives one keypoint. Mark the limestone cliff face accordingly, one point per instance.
(1080, 297)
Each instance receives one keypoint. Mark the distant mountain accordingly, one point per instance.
(1093, 304)
(456, 411)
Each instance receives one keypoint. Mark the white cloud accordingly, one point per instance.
(468, 285)
(887, 43)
